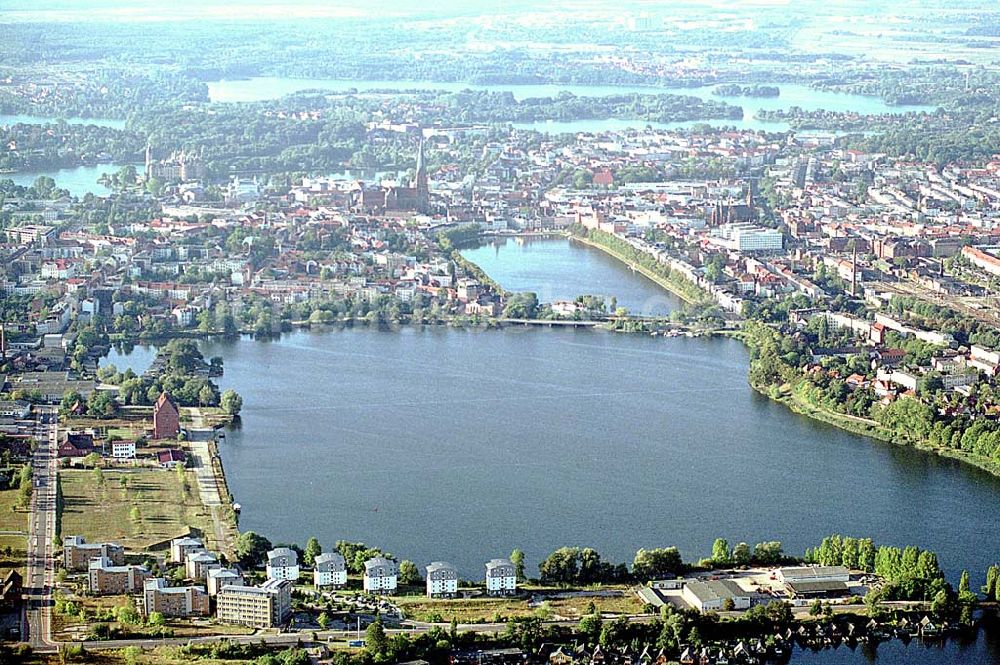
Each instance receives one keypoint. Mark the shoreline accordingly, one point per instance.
(645, 272)
(857, 426)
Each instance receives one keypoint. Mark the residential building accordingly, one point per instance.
(197, 564)
(77, 553)
(179, 547)
(123, 449)
(166, 418)
(282, 564)
(76, 444)
(171, 458)
(264, 606)
(501, 577)
(442, 580)
(14, 409)
(221, 577)
(179, 601)
(106, 579)
(330, 569)
(380, 575)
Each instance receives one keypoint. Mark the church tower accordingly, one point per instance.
(420, 180)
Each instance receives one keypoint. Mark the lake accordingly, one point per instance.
(79, 180)
(263, 88)
(461, 444)
(545, 266)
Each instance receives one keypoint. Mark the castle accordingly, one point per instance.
(181, 166)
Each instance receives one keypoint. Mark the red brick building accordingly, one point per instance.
(166, 419)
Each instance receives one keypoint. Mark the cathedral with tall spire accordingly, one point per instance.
(414, 198)
(732, 212)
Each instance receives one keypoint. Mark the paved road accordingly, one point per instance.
(41, 536)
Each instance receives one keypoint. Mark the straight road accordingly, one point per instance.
(42, 533)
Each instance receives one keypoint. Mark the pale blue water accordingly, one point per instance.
(80, 180)
(558, 272)
(460, 445)
(262, 88)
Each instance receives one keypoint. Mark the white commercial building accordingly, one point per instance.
(711, 595)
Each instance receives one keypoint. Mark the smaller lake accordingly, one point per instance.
(802, 96)
(598, 126)
(80, 181)
(40, 120)
(137, 357)
(557, 269)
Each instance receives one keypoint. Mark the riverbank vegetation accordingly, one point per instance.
(782, 366)
(659, 272)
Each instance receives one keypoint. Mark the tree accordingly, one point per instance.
(251, 548)
(376, 642)
(323, 620)
(155, 619)
(741, 554)
(591, 626)
(992, 575)
(313, 550)
(657, 563)
(517, 558)
(721, 554)
(92, 460)
(231, 402)
(408, 573)
(206, 396)
(561, 567)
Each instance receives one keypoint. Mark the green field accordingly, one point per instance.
(484, 609)
(152, 507)
(13, 532)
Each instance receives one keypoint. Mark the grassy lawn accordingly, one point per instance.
(152, 507)
(12, 518)
(472, 610)
(13, 532)
(463, 610)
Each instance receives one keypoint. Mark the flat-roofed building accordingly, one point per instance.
(77, 553)
(220, 577)
(813, 574)
(106, 579)
(177, 601)
(264, 606)
(711, 595)
(179, 547)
